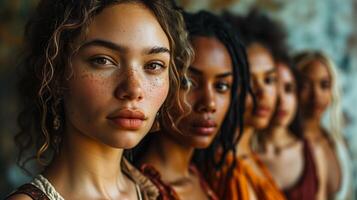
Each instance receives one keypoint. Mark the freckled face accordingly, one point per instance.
(315, 95)
(264, 85)
(287, 97)
(120, 76)
(211, 78)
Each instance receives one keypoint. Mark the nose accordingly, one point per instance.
(207, 101)
(258, 89)
(130, 86)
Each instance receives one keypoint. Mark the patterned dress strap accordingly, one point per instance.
(30, 190)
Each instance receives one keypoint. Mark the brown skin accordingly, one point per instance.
(278, 135)
(106, 80)
(211, 79)
(264, 85)
(264, 78)
(315, 97)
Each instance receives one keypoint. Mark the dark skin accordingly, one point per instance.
(278, 136)
(122, 65)
(316, 97)
(171, 152)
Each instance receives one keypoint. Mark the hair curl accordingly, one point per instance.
(49, 45)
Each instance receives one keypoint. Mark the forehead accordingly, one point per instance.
(284, 73)
(316, 70)
(260, 59)
(128, 24)
(211, 55)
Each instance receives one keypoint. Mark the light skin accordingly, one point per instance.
(119, 80)
(211, 79)
(316, 97)
(291, 155)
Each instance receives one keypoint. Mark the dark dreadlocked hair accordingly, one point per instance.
(205, 24)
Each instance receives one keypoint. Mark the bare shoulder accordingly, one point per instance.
(319, 151)
(19, 197)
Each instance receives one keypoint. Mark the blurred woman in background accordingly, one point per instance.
(320, 94)
(297, 167)
(251, 179)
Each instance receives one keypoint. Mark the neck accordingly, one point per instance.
(312, 128)
(170, 158)
(84, 164)
(244, 145)
(278, 135)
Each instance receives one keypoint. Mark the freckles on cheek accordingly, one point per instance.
(157, 90)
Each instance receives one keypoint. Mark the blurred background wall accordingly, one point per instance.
(328, 25)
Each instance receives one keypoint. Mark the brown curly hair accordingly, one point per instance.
(48, 48)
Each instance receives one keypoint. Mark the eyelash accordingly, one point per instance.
(156, 70)
(228, 87)
(96, 61)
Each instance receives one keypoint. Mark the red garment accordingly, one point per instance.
(166, 191)
(307, 186)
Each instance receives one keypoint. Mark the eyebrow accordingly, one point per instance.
(193, 70)
(271, 71)
(122, 49)
(157, 50)
(104, 43)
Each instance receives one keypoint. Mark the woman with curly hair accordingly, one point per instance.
(92, 86)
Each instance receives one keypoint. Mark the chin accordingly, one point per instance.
(125, 140)
(261, 124)
(201, 142)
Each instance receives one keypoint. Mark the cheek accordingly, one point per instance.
(292, 105)
(87, 94)
(327, 97)
(222, 103)
(272, 94)
(156, 91)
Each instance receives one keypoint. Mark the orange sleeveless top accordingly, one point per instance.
(236, 186)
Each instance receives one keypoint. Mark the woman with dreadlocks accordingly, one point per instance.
(218, 71)
(251, 178)
(92, 86)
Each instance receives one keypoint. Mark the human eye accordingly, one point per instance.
(290, 88)
(188, 82)
(102, 61)
(222, 87)
(270, 79)
(155, 67)
(325, 84)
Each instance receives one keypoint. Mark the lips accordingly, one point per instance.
(128, 119)
(281, 113)
(204, 127)
(262, 111)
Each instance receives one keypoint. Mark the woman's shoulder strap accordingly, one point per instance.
(30, 190)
